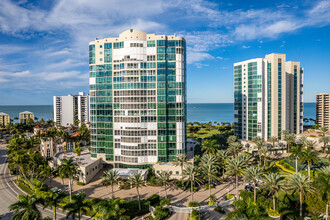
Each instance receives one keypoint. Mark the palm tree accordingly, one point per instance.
(263, 152)
(26, 207)
(273, 139)
(322, 184)
(298, 182)
(109, 209)
(324, 130)
(310, 144)
(111, 178)
(210, 146)
(253, 174)
(325, 140)
(209, 169)
(53, 198)
(302, 140)
(137, 181)
(235, 148)
(310, 157)
(295, 153)
(259, 142)
(273, 182)
(79, 205)
(231, 139)
(164, 178)
(68, 169)
(180, 160)
(290, 139)
(222, 156)
(235, 167)
(191, 173)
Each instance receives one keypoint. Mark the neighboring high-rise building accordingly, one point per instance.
(26, 116)
(268, 96)
(68, 109)
(138, 98)
(323, 110)
(4, 119)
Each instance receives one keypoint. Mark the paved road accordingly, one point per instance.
(179, 216)
(9, 191)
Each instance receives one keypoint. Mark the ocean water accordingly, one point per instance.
(199, 112)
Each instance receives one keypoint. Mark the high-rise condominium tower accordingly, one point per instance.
(268, 97)
(323, 110)
(68, 109)
(138, 98)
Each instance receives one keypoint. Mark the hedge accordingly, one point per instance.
(283, 167)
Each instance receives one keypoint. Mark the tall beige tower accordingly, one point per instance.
(268, 97)
(323, 110)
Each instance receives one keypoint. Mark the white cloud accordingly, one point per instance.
(245, 47)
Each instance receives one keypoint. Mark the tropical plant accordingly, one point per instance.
(77, 150)
(191, 174)
(310, 157)
(302, 140)
(137, 181)
(295, 153)
(111, 178)
(325, 140)
(210, 146)
(209, 169)
(68, 169)
(231, 139)
(322, 184)
(263, 153)
(164, 178)
(290, 139)
(273, 182)
(253, 174)
(235, 148)
(259, 142)
(222, 156)
(78, 206)
(26, 207)
(298, 182)
(109, 209)
(273, 139)
(323, 130)
(180, 160)
(235, 167)
(53, 198)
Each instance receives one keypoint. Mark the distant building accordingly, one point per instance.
(68, 109)
(323, 110)
(268, 96)
(4, 119)
(24, 117)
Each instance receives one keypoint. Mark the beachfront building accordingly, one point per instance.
(268, 96)
(68, 109)
(323, 110)
(138, 98)
(4, 119)
(25, 116)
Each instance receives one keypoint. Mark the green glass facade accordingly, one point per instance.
(138, 107)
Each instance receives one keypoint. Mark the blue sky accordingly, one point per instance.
(44, 44)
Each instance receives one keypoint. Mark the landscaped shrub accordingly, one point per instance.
(246, 195)
(161, 213)
(207, 186)
(312, 135)
(285, 166)
(193, 204)
(315, 205)
(80, 183)
(194, 215)
(219, 209)
(273, 213)
(229, 196)
(154, 199)
(211, 203)
(132, 208)
(165, 202)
